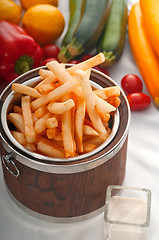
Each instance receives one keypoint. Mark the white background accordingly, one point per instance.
(142, 171)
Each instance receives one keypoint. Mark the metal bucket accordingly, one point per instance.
(63, 188)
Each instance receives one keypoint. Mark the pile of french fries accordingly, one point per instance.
(63, 116)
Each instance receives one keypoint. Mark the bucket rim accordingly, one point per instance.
(55, 162)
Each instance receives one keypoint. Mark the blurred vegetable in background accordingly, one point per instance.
(88, 30)
(150, 13)
(132, 86)
(76, 13)
(112, 40)
(29, 3)
(93, 25)
(146, 59)
(18, 51)
(131, 83)
(9, 11)
(47, 60)
(44, 22)
(138, 101)
(51, 50)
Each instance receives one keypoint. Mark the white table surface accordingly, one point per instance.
(142, 170)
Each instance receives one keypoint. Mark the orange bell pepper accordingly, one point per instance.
(150, 13)
(146, 59)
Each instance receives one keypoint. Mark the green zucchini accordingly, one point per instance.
(88, 31)
(112, 39)
(76, 12)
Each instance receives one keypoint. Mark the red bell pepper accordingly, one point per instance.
(18, 51)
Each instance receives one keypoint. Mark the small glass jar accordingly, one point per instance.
(127, 213)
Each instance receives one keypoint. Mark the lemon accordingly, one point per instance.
(29, 3)
(9, 11)
(44, 22)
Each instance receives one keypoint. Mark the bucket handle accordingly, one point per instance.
(7, 159)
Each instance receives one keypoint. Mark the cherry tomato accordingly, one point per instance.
(74, 61)
(47, 60)
(51, 50)
(86, 57)
(138, 101)
(103, 70)
(131, 83)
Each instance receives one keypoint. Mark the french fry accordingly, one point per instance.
(17, 120)
(63, 65)
(62, 74)
(106, 124)
(88, 122)
(68, 141)
(88, 64)
(44, 73)
(51, 133)
(19, 136)
(87, 130)
(104, 117)
(50, 148)
(88, 72)
(58, 137)
(100, 93)
(88, 147)
(17, 109)
(78, 91)
(60, 107)
(91, 62)
(58, 117)
(90, 102)
(56, 84)
(109, 130)
(103, 106)
(114, 101)
(55, 95)
(48, 76)
(63, 116)
(86, 138)
(94, 140)
(34, 117)
(19, 88)
(28, 121)
(112, 91)
(51, 122)
(45, 88)
(105, 93)
(79, 123)
(30, 146)
(73, 110)
(40, 125)
(48, 80)
(41, 111)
